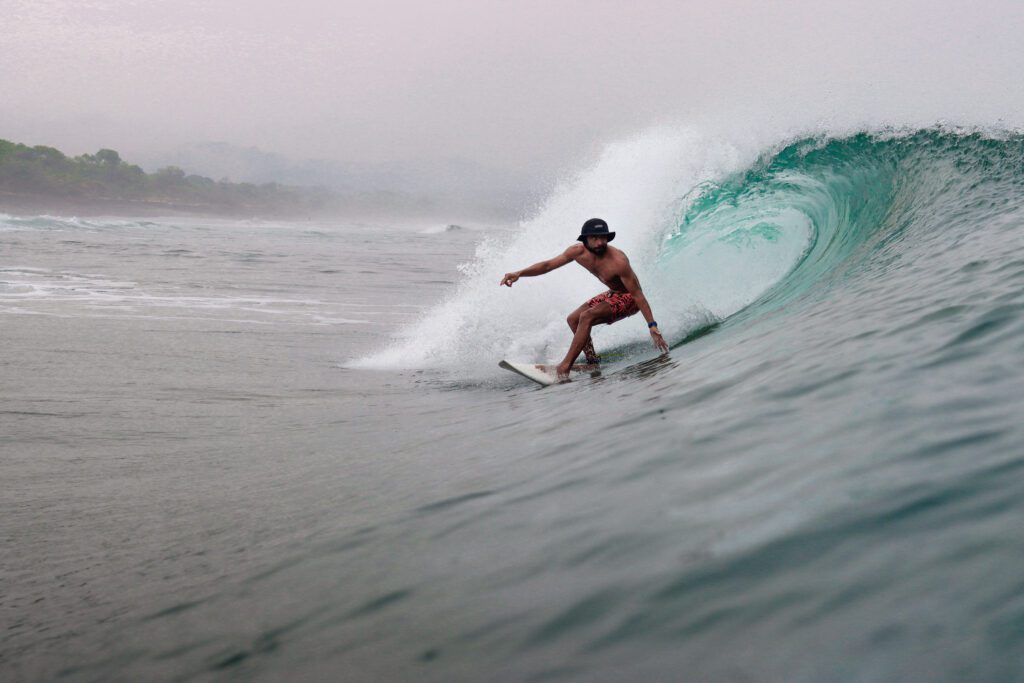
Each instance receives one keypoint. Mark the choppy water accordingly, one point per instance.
(258, 451)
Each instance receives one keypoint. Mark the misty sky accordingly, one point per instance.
(512, 84)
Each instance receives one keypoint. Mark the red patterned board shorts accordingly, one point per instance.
(622, 304)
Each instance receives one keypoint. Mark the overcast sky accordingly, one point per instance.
(514, 84)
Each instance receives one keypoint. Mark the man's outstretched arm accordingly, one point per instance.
(633, 287)
(567, 256)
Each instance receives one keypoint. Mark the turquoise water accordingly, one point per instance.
(268, 451)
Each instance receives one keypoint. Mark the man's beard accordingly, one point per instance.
(598, 251)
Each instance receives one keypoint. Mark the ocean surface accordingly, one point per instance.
(262, 451)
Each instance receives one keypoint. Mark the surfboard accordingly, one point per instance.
(541, 374)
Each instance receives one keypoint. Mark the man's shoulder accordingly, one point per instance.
(575, 249)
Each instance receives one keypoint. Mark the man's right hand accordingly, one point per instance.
(659, 341)
(509, 279)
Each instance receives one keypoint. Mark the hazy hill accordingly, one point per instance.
(455, 183)
(251, 182)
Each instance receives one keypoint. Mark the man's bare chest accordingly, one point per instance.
(608, 272)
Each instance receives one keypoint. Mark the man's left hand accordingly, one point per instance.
(658, 340)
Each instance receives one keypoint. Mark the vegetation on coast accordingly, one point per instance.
(44, 174)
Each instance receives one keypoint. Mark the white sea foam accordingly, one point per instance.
(29, 290)
(51, 223)
(438, 229)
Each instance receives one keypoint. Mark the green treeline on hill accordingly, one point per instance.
(42, 171)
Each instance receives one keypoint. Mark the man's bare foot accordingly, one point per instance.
(562, 371)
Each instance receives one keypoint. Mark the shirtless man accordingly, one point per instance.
(623, 298)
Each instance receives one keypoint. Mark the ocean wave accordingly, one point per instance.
(714, 229)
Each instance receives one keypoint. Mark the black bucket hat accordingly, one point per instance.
(595, 227)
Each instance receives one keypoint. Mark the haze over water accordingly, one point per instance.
(530, 88)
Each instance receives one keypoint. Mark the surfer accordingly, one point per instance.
(623, 298)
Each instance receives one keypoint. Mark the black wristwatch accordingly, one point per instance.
(653, 323)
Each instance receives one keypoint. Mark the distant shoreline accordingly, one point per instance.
(30, 204)
(43, 180)
(25, 204)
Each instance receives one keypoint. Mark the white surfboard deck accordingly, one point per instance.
(541, 374)
(530, 371)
